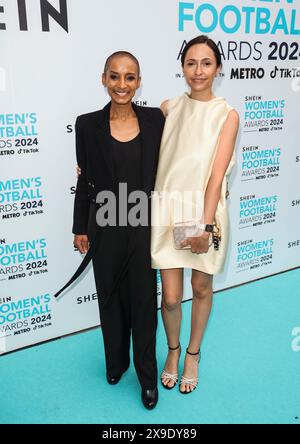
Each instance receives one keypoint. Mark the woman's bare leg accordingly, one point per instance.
(172, 292)
(201, 308)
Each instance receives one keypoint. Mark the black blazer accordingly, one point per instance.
(95, 159)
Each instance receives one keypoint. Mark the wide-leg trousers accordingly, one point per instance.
(132, 307)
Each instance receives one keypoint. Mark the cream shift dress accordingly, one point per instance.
(188, 149)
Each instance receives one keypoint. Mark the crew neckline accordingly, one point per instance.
(202, 101)
(126, 141)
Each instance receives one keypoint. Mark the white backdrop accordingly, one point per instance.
(48, 77)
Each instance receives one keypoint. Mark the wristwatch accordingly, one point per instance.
(206, 227)
(209, 228)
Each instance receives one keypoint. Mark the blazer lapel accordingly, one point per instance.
(104, 141)
(147, 151)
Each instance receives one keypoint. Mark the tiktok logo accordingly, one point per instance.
(296, 84)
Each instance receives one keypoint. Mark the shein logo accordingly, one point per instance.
(60, 15)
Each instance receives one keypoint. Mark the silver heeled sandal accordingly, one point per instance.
(172, 377)
(190, 381)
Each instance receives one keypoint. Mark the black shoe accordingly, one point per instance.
(150, 398)
(113, 380)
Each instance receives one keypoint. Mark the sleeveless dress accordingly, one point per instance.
(188, 149)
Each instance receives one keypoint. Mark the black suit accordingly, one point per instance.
(125, 282)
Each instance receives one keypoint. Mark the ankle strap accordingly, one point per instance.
(175, 348)
(193, 354)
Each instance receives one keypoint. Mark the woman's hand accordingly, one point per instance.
(81, 242)
(78, 171)
(198, 244)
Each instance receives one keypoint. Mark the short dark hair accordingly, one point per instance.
(121, 54)
(202, 39)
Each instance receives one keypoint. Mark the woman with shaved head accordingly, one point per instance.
(119, 145)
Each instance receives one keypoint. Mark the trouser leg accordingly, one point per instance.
(116, 330)
(114, 311)
(143, 297)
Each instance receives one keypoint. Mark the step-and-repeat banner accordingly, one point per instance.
(51, 59)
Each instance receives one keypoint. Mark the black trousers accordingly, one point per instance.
(132, 307)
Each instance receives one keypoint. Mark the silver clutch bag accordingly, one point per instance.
(184, 230)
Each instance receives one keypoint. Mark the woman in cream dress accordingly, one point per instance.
(196, 157)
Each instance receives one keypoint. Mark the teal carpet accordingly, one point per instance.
(249, 372)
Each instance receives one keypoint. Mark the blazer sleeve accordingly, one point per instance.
(82, 202)
(160, 118)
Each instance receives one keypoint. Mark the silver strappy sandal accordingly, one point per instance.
(190, 381)
(172, 377)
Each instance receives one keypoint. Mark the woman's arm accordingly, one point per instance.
(220, 165)
(81, 202)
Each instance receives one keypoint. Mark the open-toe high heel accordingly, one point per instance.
(190, 381)
(172, 376)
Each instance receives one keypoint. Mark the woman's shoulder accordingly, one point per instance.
(228, 105)
(88, 118)
(169, 104)
(151, 113)
(232, 113)
(226, 109)
(232, 120)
